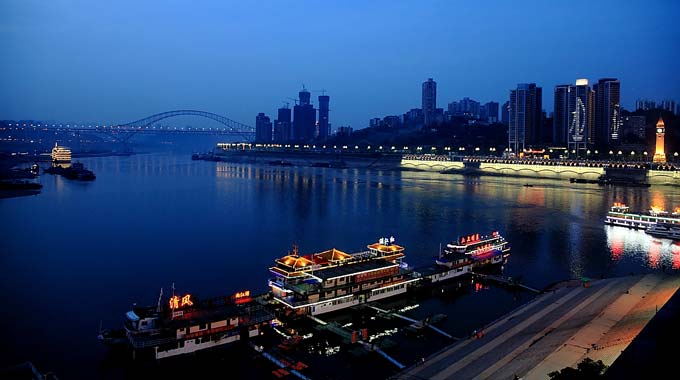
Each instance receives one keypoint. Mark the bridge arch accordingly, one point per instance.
(233, 126)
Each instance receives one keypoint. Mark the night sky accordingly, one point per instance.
(117, 61)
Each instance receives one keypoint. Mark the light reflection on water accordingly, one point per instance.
(636, 245)
(214, 228)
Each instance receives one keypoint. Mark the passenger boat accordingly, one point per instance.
(619, 215)
(664, 230)
(472, 251)
(333, 280)
(60, 154)
(183, 325)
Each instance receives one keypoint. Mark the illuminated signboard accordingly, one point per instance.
(241, 297)
(176, 302)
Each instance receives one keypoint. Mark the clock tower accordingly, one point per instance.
(659, 155)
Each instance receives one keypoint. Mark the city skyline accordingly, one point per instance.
(101, 71)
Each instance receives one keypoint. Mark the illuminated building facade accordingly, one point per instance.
(580, 114)
(607, 111)
(660, 154)
(525, 116)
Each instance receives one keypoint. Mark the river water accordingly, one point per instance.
(79, 254)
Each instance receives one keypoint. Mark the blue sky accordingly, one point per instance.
(117, 61)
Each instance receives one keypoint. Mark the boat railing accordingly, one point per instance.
(146, 342)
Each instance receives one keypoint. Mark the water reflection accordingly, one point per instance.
(641, 250)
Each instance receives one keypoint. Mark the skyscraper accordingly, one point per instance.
(304, 118)
(580, 111)
(505, 113)
(282, 125)
(324, 126)
(263, 128)
(607, 120)
(561, 114)
(429, 101)
(491, 109)
(525, 110)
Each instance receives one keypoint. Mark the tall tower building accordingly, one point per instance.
(263, 128)
(304, 118)
(580, 112)
(324, 126)
(525, 111)
(505, 113)
(561, 114)
(282, 125)
(429, 101)
(607, 121)
(660, 154)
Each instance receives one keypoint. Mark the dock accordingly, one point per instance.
(505, 281)
(557, 329)
(413, 321)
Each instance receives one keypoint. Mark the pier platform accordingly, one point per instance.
(557, 329)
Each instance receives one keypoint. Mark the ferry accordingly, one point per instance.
(61, 154)
(664, 230)
(183, 324)
(619, 215)
(473, 251)
(332, 280)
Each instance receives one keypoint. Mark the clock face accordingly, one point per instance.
(659, 130)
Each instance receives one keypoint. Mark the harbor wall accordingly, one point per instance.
(506, 169)
(663, 177)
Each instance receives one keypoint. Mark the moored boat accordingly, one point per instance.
(473, 251)
(333, 280)
(619, 215)
(60, 154)
(184, 324)
(665, 231)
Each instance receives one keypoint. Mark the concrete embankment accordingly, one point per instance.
(507, 169)
(557, 329)
(329, 159)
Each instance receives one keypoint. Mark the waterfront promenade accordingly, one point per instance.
(557, 329)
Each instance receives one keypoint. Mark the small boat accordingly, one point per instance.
(280, 163)
(528, 185)
(664, 230)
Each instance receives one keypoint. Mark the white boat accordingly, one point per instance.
(664, 230)
(475, 251)
(620, 215)
(333, 280)
(61, 154)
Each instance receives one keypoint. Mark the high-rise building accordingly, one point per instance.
(282, 125)
(466, 107)
(505, 113)
(580, 110)
(645, 104)
(490, 112)
(525, 109)
(561, 114)
(668, 105)
(429, 101)
(607, 122)
(635, 126)
(324, 126)
(263, 128)
(304, 118)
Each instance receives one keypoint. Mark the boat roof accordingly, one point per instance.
(391, 248)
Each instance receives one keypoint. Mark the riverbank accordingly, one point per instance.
(575, 320)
